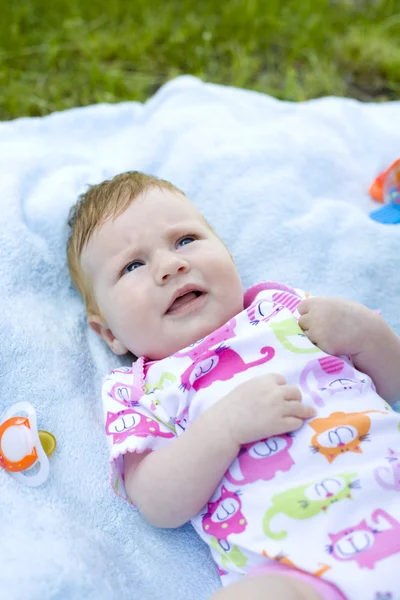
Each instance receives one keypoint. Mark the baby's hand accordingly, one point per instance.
(262, 407)
(335, 325)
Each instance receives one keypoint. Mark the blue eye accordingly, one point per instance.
(132, 267)
(186, 240)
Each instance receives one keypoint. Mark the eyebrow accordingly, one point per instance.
(184, 226)
(123, 257)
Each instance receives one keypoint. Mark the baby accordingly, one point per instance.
(262, 417)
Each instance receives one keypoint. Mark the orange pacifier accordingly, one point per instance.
(24, 450)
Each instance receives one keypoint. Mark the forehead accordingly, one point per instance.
(156, 206)
(150, 214)
(161, 204)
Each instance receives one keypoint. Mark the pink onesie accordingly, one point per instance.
(322, 503)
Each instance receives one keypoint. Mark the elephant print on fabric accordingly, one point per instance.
(331, 375)
(261, 460)
(367, 544)
(340, 432)
(262, 312)
(286, 299)
(309, 500)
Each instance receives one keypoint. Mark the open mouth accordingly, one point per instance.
(181, 302)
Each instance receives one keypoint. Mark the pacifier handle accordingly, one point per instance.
(17, 469)
(48, 441)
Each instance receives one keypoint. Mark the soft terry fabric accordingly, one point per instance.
(285, 186)
(333, 482)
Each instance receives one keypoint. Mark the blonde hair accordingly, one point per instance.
(100, 202)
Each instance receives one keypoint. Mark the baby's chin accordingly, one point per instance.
(175, 345)
(189, 335)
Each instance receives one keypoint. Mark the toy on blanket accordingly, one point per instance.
(24, 450)
(386, 188)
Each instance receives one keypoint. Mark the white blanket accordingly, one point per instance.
(284, 184)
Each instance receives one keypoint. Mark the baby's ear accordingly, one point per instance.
(99, 326)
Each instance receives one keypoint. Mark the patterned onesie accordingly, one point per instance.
(325, 499)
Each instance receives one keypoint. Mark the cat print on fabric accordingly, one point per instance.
(306, 501)
(160, 384)
(222, 334)
(329, 374)
(220, 364)
(123, 370)
(124, 423)
(182, 419)
(261, 460)
(389, 477)
(126, 394)
(285, 560)
(289, 334)
(340, 432)
(229, 554)
(224, 515)
(166, 379)
(367, 544)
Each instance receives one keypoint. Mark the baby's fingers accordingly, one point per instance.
(304, 306)
(292, 424)
(304, 322)
(291, 392)
(299, 410)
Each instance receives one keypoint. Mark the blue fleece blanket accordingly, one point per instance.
(284, 184)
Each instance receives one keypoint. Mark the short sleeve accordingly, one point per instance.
(134, 420)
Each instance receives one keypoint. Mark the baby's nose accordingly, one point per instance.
(169, 265)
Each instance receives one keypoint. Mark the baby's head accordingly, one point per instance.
(154, 276)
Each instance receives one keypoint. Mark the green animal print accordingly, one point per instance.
(287, 333)
(308, 500)
(159, 385)
(233, 555)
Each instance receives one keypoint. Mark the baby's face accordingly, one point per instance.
(161, 278)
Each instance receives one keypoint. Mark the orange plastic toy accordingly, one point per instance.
(376, 189)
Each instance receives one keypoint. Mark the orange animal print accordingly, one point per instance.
(284, 560)
(341, 432)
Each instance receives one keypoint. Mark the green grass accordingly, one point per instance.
(55, 55)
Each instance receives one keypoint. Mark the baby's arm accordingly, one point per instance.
(171, 485)
(340, 326)
(380, 359)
